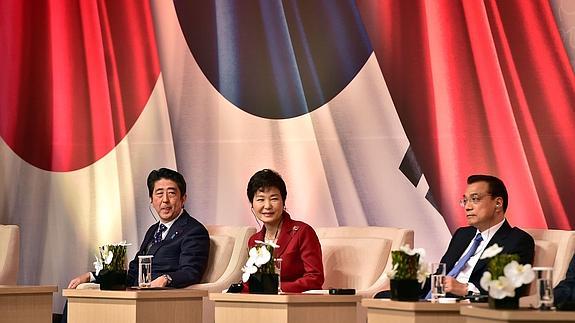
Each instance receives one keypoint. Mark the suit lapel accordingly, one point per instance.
(499, 238)
(178, 227)
(288, 230)
(466, 236)
(175, 230)
(260, 235)
(148, 239)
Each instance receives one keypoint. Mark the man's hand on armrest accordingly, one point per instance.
(84, 278)
(454, 287)
(161, 281)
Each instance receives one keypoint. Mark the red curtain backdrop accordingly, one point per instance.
(483, 87)
(75, 77)
(90, 103)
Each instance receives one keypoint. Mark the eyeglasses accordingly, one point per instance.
(474, 199)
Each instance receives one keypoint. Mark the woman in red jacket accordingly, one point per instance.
(299, 247)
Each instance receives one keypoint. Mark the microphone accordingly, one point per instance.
(153, 211)
(256, 218)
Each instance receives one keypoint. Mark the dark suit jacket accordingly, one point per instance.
(513, 241)
(183, 254)
(300, 250)
(565, 290)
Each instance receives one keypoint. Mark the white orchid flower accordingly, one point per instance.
(248, 270)
(406, 249)
(272, 244)
(518, 274)
(263, 256)
(253, 253)
(98, 265)
(123, 243)
(411, 252)
(391, 274)
(485, 280)
(491, 251)
(421, 253)
(258, 256)
(422, 272)
(251, 261)
(501, 288)
(109, 257)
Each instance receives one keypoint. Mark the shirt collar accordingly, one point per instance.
(489, 233)
(169, 224)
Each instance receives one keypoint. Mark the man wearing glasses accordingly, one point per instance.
(485, 202)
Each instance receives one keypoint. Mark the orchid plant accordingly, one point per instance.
(260, 259)
(408, 264)
(504, 274)
(111, 257)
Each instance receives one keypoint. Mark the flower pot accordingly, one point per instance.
(507, 303)
(260, 283)
(405, 290)
(112, 280)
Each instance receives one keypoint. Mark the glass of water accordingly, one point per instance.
(145, 271)
(437, 280)
(544, 281)
(278, 270)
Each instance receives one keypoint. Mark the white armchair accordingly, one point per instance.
(553, 248)
(228, 254)
(359, 257)
(9, 254)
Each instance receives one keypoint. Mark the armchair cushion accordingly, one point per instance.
(374, 259)
(229, 254)
(354, 262)
(221, 248)
(559, 247)
(545, 252)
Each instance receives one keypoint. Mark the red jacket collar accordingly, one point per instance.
(288, 229)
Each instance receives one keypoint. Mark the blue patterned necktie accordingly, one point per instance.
(158, 234)
(463, 261)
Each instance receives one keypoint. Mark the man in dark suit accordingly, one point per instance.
(564, 293)
(485, 202)
(179, 243)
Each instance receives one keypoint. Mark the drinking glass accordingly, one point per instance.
(437, 280)
(145, 271)
(278, 270)
(544, 281)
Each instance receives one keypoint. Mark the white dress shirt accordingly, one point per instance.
(465, 273)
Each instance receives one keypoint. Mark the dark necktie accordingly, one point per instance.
(158, 235)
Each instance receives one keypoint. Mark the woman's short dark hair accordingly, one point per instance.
(496, 187)
(264, 179)
(166, 173)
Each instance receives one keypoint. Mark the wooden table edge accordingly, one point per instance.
(283, 298)
(135, 294)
